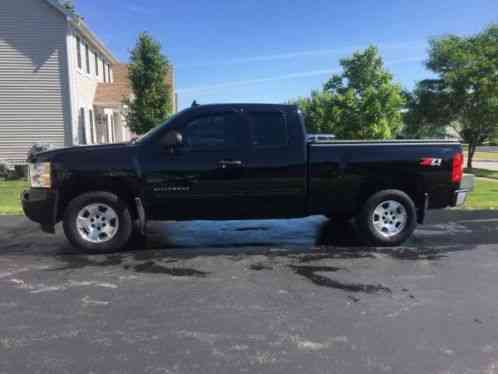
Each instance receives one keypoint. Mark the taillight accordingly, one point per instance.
(457, 168)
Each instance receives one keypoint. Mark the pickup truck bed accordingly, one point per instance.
(356, 169)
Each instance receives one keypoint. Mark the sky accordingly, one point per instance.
(277, 50)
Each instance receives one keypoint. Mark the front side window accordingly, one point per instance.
(96, 64)
(92, 126)
(215, 132)
(87, 54)
(268, 129)
(81, 127)
(78, 51)
(104, 70)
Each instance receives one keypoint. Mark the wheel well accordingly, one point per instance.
(410, 190)
(114, 186)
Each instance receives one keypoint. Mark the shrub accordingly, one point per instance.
(7, 171)
(38, 148)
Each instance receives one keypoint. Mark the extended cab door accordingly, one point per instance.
(202, 178)
(277, 163)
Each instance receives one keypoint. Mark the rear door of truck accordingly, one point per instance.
(275, 171)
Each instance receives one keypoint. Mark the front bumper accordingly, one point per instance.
(40, 205)
(466, 186)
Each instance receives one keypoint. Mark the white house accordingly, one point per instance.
(57, 81)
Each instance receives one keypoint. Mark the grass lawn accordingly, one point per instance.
(10, 196)
(481, 155)
(483, 173)
(485, 195)
(486, 156)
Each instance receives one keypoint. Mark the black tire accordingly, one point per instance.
(121, 236)
(366, 218)
(137, 239)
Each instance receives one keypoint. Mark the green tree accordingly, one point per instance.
(151, 104)
(429, 112)
(466, 88)
(315, 109)
(365, 103)
(362, 102)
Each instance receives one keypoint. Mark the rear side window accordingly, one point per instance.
(215, 132)
(268, 129)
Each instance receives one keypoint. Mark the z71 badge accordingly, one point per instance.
(429, 161)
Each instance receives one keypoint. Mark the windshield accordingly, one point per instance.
(150, 134)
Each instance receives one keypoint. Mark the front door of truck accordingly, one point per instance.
(204, 176)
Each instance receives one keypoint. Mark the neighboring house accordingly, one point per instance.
(109, 101)
(59, 84)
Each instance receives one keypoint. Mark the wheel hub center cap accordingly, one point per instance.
(97, 223)
(389, 218)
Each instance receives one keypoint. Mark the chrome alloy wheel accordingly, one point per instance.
(97, 223)
(389, 218)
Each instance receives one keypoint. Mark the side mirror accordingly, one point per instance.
(172, 139)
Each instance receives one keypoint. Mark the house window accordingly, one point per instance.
(87, 53)
(104, 70)
(111, 77)
(92, 126)
(78, 51)
(81, 127)
(96, 64)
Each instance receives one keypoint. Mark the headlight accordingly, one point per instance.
(40, 175)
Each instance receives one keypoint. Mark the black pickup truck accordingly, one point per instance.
(241, 161)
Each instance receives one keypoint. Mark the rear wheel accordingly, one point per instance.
(388, 218)
(98, 222)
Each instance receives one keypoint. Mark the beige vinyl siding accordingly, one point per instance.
(34, 100)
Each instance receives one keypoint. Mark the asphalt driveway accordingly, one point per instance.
(295, 296)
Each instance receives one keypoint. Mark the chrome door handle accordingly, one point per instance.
(224, 164)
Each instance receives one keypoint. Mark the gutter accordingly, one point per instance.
(80, 25)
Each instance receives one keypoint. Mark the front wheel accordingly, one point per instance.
(388, 218)
(98, 222)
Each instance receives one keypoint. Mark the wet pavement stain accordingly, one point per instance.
(310, 272)
(332, 255)
(153, 268)
(260, 266)
(73, 262)
(415, 254)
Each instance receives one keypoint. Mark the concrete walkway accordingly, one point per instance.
(488, 165)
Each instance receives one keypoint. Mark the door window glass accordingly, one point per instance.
(215, 132)
(268, 129)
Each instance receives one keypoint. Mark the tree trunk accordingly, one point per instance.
(472, 151)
